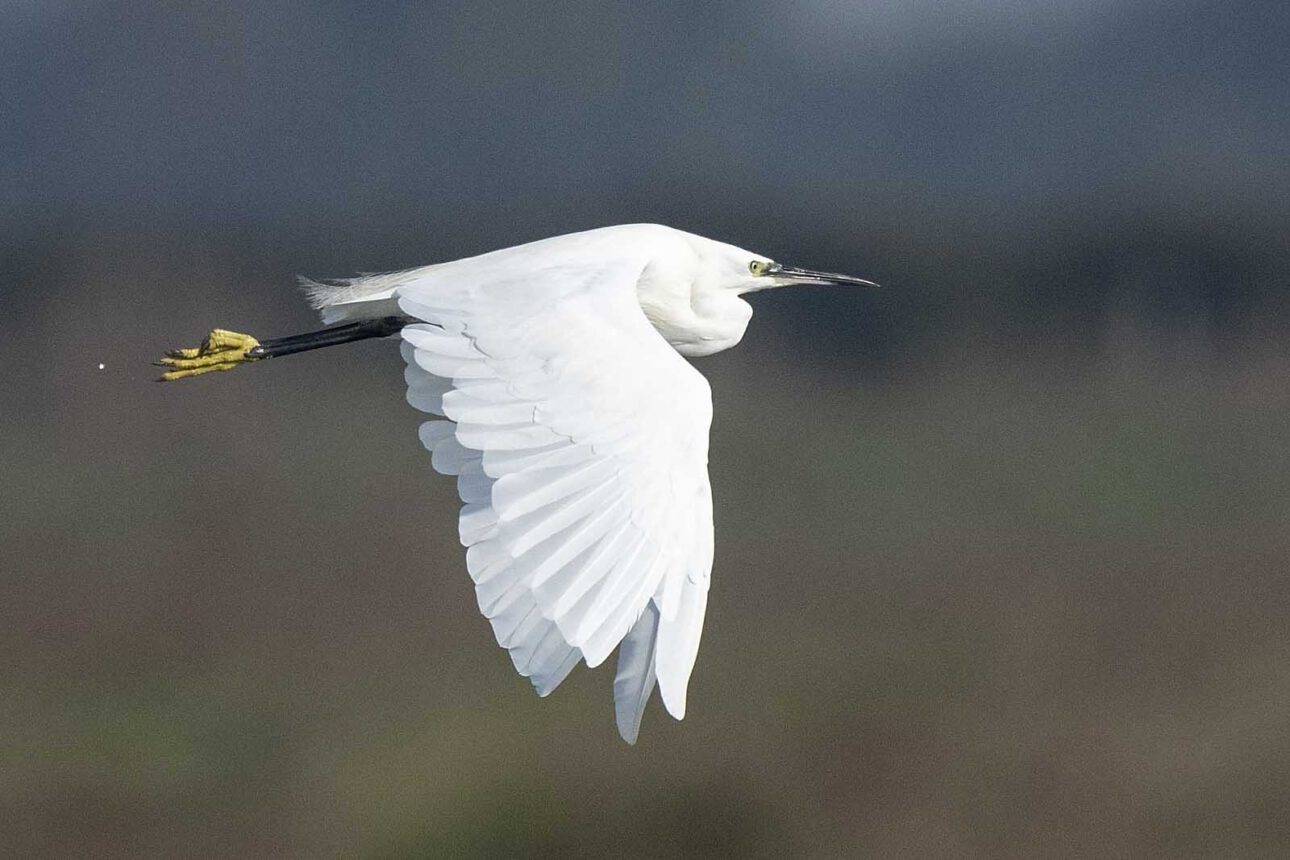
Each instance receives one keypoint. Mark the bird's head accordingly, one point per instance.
(746, 272)
(767, 274)
(691, 289)
(725, 269)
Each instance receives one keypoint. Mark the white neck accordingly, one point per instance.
(694, 319)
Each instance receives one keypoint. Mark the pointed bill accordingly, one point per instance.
(809, 276)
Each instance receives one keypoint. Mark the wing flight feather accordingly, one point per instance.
(579, 438)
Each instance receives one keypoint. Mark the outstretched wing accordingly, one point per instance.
(579, 439)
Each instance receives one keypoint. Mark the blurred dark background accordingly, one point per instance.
(1002, 548)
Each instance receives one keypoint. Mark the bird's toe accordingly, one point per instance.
(221, 350)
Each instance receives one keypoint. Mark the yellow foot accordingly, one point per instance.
(222, 350)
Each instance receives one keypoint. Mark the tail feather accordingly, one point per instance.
(369, 295)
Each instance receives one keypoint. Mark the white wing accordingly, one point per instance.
(580, 439)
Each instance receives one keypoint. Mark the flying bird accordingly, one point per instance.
(576, 429)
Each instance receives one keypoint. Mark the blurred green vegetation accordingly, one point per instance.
(977, 593)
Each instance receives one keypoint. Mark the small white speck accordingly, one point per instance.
(102, 365)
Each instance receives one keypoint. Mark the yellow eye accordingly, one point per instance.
(758, 267)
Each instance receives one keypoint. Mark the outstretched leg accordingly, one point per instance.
(225, 350)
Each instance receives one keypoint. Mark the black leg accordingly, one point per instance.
(278, 346)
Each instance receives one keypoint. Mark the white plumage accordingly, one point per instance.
(578, 436)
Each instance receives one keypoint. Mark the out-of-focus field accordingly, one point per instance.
(1021, 597)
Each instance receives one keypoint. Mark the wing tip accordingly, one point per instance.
(629, 733)
(675, 706)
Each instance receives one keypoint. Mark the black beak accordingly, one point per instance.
(808, 276)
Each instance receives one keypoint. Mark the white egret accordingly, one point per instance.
(577, 433)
